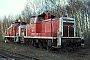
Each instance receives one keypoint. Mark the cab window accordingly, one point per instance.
(17, 23)
(33, 20)
(23, 25)
(40, 18)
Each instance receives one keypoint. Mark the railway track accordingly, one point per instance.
(10, 56)
(30, 49)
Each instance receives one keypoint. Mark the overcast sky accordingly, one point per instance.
(13, 7)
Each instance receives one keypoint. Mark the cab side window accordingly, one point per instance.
(40, 18)
(33, 20)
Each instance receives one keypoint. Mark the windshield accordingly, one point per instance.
(68, 20)
(17, 23)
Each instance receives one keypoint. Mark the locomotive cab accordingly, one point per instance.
(35, 23)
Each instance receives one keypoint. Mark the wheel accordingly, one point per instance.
(40, 45)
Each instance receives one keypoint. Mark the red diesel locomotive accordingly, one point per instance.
(44, 31)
